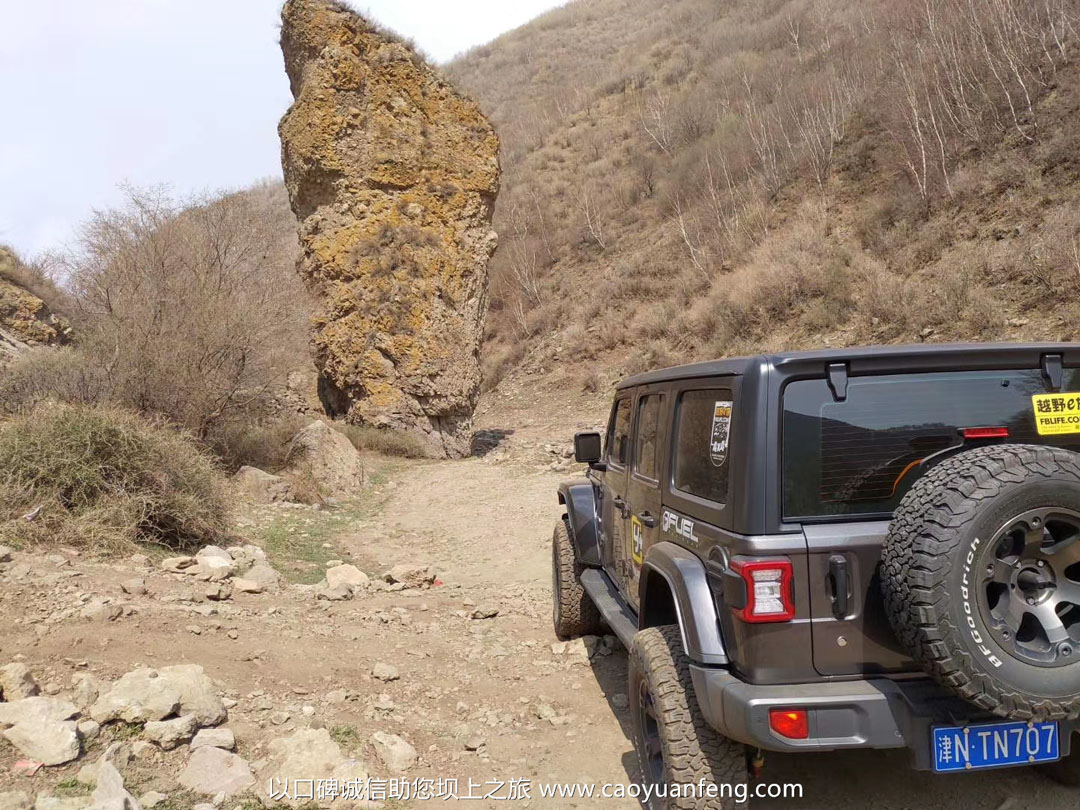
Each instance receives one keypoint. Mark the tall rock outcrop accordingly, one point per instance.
(392, 175)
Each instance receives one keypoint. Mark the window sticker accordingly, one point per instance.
(1056, 414)
(721, 424)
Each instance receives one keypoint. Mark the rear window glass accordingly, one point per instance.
(861, 455)
(645, 446)
(619, 434)
(701, 444)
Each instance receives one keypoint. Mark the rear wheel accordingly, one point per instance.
(674, 743)
(574, 612)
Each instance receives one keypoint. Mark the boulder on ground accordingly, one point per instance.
(177, 565)
(345, 574)
(313, 753)
(215, 563)
(110, 793)
(411, 576)
(264, 575)
(327, 459)
(395, 752)
(138, 696)
(215, 738)
(41, 728)
(86, 690)
(17, 682)
(169, 734)
(244, 585)
(211, 771)
(261, 486)
(198, 696)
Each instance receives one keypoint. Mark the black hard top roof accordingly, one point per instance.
(874, 359)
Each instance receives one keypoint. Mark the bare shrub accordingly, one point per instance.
(191, 310)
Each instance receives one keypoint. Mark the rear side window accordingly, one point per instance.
(702, 431)
(861, 455)
(619, 434)
(648, 423)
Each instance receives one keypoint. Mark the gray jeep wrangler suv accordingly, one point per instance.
(863, 548)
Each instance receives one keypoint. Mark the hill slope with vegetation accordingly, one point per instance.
(695, 179)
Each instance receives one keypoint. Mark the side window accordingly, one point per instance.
(703, 427)
(648, 422)
(618, 449)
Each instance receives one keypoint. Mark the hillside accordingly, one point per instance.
(697, 179)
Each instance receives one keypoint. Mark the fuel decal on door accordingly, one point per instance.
(637, 532)
(721, 424)
(1056, 414)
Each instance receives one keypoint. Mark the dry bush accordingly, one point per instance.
(192, 310)
(262, 443)
(385, 442)
(106, 480)
(46, 374)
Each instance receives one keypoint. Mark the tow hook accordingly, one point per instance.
(757, 763)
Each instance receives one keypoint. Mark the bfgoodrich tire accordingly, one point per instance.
(981, 578)
(674, 743)
(574, 612)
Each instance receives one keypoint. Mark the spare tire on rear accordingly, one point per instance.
(981, 578)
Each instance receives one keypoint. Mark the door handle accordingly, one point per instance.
(648, 520)
(619, 504)
(839, 585)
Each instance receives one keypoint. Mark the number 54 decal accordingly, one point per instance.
(637, 537)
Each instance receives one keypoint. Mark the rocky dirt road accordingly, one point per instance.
(467, 672)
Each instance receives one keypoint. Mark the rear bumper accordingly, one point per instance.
(874, 713)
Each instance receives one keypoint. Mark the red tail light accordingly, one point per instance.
(769, 596)
(791, 723)
(985, 433)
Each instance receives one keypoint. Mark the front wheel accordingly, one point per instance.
(675, 745)
(574, 612)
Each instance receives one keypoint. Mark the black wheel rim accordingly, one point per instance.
(651, 754)
(1030, 593)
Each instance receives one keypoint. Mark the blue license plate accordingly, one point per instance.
(994, 745)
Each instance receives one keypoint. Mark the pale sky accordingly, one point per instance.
(188, 93)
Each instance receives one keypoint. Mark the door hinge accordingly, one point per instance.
(837, 375)
(1052, 371)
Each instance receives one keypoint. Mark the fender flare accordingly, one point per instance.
(685, 575)
(577, 497)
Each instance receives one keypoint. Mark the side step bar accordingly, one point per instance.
(610, 604)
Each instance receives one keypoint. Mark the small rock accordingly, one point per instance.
(214, 738)
(307, 711)
(88, 729)
(385, 672)
(264, 575)
(87, 774)
(279, 718)
(348, 575)
(141, 749)
(218, 592)
(16, 682)
(486, 612)
(171, 733)
(211, 771)
(244, 585)
(334, 563)
(87, 689)
(411, 576)
(233, 634)
(395, 752)
(384, 704)
(336, 696)
(151, 799)
(198, 696)
(5, 554)
(110, 791)
(338, 594)
(474, 743)
(261, 486)
(177, 565)
(134, 587)
(99, 610)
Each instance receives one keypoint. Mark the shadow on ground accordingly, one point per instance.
(484, 441)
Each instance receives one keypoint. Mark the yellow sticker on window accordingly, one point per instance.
(1056, 414)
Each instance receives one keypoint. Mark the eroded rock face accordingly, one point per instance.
(392, 175)
(25, 320)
